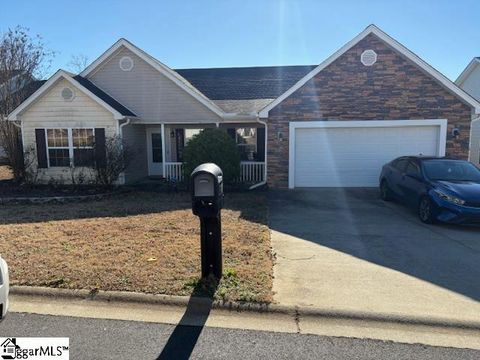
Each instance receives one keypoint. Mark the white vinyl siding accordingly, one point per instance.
(149, 94)
(475, 143)
(472, 83)
(354, 156)
(50, 111)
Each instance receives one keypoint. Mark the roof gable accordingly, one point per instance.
(372, 29)
(118, 110)
(162, 68)
(472, 65)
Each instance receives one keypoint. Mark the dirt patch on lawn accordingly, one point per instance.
(147, 242)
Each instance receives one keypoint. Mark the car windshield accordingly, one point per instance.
(451, 170)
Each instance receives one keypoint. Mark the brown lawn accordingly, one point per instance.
(146, 242)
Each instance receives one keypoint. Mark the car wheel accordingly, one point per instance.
(385, 192)
(426, 211)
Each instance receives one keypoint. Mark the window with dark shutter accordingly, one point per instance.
(83, 152)
(58, 147)
(100, 148)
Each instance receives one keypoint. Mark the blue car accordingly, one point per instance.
(440, 189)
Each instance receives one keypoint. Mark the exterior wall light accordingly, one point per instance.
(455, 133)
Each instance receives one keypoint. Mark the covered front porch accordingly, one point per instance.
(165, 144)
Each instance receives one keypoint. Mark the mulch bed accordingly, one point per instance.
(11, 189)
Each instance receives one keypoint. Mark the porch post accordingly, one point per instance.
(163, 149)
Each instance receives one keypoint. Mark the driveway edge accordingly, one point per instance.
(184, 301)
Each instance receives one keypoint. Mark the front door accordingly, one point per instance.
(154, 147)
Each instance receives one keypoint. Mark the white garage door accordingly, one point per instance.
(354, 156)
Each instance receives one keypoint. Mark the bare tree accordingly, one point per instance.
(118, 155)
(22, 58)
(78, 63)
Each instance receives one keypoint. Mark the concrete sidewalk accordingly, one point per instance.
(345, 250)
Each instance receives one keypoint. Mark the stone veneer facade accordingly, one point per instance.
(392, 89)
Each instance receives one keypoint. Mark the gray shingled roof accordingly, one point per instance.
(234, 90)
(246, 83)
(242, 106)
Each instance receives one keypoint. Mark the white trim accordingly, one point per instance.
(72, 91)
(149, 130)
(470, 143)
(160, 67)
(372, 29)
(60, 74)
(265, 174)
(442, 141)
(70, 146)
(467, 71)
(132, 63)
(162, 127)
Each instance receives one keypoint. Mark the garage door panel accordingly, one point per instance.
(350, 157)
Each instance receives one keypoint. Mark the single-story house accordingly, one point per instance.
(328, 125)
(469, 80)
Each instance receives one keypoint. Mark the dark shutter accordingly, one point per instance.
(41, 148)
(100, 151)
(260, 144)
(180, 143)
(231, 132)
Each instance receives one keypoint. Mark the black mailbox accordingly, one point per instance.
(207, 190)
(206, 183)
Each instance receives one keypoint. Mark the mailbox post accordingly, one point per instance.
(207, 202)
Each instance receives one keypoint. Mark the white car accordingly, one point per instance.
(3, 288)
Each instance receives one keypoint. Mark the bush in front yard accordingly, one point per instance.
(213, 146)
(117, 157)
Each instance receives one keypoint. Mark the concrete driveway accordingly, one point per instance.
(345, 249)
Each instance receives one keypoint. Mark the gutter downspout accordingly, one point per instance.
(264, 123)
(120, 128)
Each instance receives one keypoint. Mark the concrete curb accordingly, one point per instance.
(184, 301)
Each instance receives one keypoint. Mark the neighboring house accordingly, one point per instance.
(334, 124)
(469, 80)
(21, 87)
(6, 81)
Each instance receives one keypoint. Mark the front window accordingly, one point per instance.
(451, 170)
(58, 147)
(190, 133)
(83, 152)
(67, 147)
(247, 143)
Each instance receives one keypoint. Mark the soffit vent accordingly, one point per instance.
(126, 63)
(67, 94)
(368, 57)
